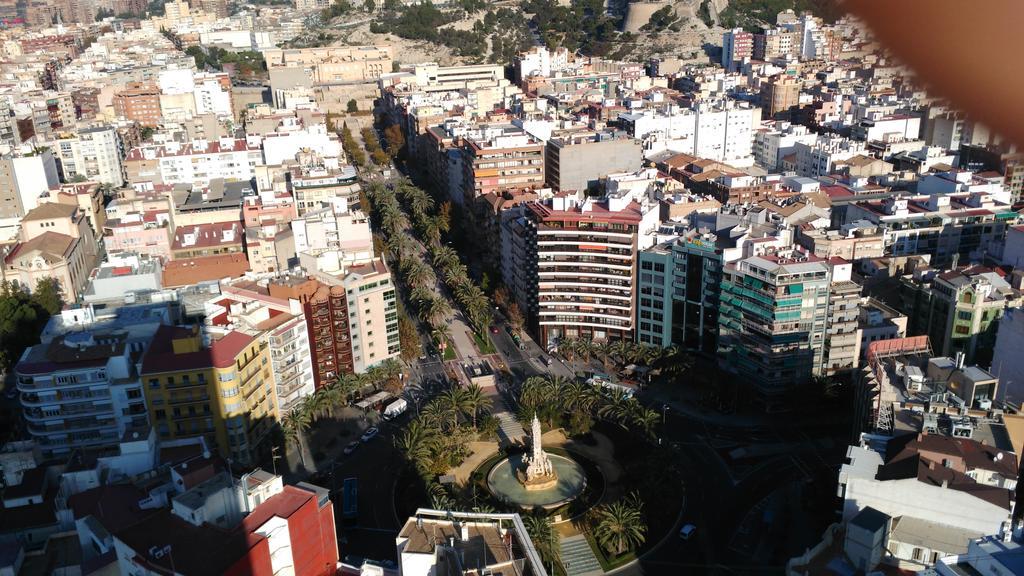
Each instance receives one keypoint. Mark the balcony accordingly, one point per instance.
(187, 399)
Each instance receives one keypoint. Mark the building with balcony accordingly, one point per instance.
(962, 226)
(958, 309)
(500, 158)
(775, 325)
(248, 307)
(352, 319)
(581, 259)
(91, 153)
(221, 389)
(80, 387)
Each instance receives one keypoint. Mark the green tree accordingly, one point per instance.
(21, 320)
(545, 538)
(477, 403)
(197, 54)
(352, 106)
(48, 296)
(620, 526)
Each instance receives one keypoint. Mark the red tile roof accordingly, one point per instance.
(161, 357)
(205, 268)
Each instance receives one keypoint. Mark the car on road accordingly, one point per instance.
(687, 531)
(494, 329)
(370, 434)
(545, 360)
(350, 448)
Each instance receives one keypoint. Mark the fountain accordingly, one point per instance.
(537, 479)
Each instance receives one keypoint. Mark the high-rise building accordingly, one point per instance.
(352, 319)
(774, 319)
(679, 284)
(737, 45)
(581, 257)
(222, 389)
(496, 161)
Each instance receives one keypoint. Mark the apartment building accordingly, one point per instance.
(679, 286)
(581, 258)
(92, 153)
(312, 186)
(80, 387)
(24, 177)
(958, 309)
(220, 388)
(721, 130)
(248, 307)
(962, 226)
(195, 163)
(774, 320)
(352, 319)
(140, 103)
(219, 525)
(779, 95)
(820, 157)
(500, 158)
(776, 140)
(578, 161)
(737, 46)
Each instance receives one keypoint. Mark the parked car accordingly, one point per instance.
(494, 329)
(370, 434)
(545, 360)
(687, 531)
(350, 448)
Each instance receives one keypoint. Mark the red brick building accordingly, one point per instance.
(327, 319)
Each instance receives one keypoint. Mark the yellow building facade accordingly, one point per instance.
(223, 390)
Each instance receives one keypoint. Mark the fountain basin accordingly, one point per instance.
(504, 483)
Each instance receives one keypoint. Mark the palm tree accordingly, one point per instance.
(435, 312)
(476, 401)
(647, 421)
(454, 402)
(441, 335)
(620, 527)
(545, 538)
(417, 273)
(295, 424)
(416, 442)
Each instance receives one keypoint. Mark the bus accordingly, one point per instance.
(350, 499)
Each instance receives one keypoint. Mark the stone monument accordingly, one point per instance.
(539, 473)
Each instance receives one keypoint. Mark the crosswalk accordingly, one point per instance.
(577, 557)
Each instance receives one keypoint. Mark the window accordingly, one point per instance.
(154, 383)
(160, 415)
